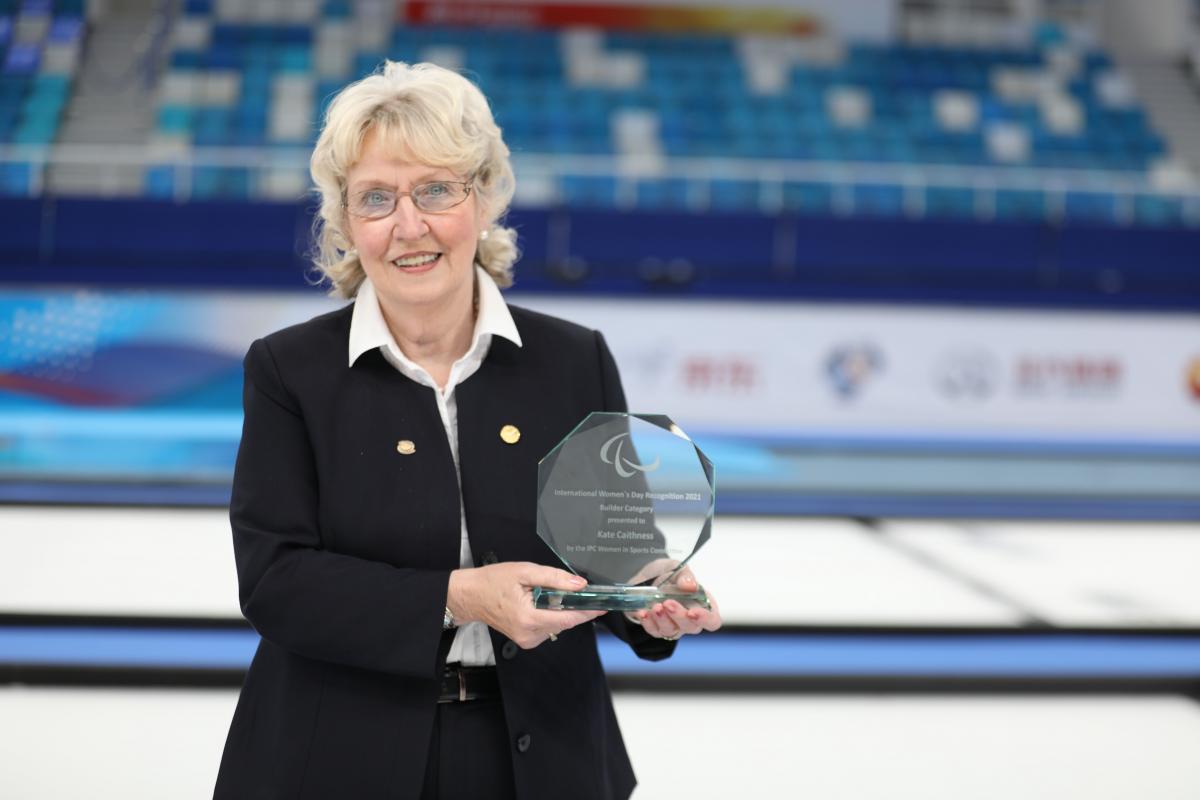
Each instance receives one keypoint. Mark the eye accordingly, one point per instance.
(438, 189)
(373, 198)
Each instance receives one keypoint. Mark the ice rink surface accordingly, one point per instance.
(131, 743)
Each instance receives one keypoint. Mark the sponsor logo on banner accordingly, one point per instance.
(1193, 378)
(720, 374)
(1069, 376)
(968, 374)
(850, 367)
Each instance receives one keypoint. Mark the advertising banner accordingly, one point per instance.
(799, 368)
(860, 20)
(141, 384)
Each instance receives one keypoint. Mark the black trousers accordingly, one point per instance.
(470, 755)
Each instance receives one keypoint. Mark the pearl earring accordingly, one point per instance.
(483, 234)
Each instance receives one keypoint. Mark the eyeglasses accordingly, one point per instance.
(429, 197)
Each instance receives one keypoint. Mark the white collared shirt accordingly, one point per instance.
(368, 331)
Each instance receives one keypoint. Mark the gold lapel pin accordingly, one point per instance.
(511, 434)
(405, 447)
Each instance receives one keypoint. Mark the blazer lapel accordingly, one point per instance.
(499, 475)
(403, 499)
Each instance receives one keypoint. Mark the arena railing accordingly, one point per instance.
(281, 174)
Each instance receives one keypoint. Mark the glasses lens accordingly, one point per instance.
(439, 196)
(373, 203)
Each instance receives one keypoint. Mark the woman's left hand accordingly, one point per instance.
(672, 619)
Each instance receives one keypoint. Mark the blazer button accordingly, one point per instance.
(509, 651)
(523, 742)
(490, 558)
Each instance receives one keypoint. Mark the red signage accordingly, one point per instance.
(711, 374)
(1068, 374)
(563, 15)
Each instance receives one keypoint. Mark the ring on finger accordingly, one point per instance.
(673, 637)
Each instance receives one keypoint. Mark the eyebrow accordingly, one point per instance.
(369, 183)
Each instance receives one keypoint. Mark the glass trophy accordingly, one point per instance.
(625, 500)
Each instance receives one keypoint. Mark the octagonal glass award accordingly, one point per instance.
(624, 500)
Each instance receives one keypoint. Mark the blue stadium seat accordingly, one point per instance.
(175, 119)
(662, 194)
(734, 195)
(160, 182)
(1098, 207)
(336, 9)
(65, 29)
(22, 59)
(217, 182)
(1020, 204)
(878, 199)
(15, 178)
(588, 191)
(943, 201)
(1158, 210)
(808, 197)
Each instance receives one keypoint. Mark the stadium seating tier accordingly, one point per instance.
(240, 84)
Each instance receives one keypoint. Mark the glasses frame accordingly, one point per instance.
(468, 186)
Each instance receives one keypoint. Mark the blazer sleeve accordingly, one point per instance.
(648, 647)
(310, 601)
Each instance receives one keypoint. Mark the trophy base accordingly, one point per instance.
(615, 598)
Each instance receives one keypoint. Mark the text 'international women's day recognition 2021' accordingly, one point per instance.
(625, 500)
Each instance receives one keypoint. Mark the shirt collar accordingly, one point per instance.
(369, 330)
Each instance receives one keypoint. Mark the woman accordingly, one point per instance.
(383, 499)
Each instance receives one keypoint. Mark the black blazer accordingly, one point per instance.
(344, 549)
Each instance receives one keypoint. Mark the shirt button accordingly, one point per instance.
(490, 558)
(523, 742)
(509, 651)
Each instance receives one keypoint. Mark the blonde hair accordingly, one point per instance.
(437, 117)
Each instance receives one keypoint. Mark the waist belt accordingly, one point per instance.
(461, 684)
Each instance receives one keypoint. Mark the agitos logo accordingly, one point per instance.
(624, 467)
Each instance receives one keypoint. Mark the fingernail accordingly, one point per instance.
(578, 580)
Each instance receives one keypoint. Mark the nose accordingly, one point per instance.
(407, 221)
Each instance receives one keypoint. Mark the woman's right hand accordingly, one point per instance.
(501, 595)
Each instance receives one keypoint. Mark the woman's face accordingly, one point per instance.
(420, 262)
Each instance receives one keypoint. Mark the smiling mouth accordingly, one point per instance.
(423, 260)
